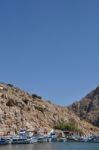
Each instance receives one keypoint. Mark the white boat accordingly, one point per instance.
(52, 137)
(20, 140)
(33, 139)
(62, 140)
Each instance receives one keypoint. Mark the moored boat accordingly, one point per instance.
(21, 140)
(4, 141)
(62, 140)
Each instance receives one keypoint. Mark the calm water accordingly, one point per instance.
(53, 146)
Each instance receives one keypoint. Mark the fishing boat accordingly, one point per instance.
(52, 137)
(4, 141)
(41, 138)
(33, 140)
(21, 140)
(62, 140)
(94, 139)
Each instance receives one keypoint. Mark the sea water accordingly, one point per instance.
(53, 146)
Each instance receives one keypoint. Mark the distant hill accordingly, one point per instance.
(19, 109)
(88, 107)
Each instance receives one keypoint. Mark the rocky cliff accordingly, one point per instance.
(88, 107)
(19, 109)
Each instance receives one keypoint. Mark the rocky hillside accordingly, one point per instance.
(88, 107)
(19, 109)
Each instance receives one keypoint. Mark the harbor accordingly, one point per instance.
(25, 137)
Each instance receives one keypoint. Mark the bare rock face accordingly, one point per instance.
(18, 109)
(88, 107)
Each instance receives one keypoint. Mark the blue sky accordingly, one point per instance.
(50, 47)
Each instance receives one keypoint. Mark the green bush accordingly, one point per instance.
(36, 96)
(66, 126)
(10, 85)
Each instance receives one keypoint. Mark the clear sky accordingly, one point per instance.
(50, 47)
